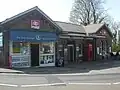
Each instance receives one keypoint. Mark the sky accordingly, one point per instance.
(57, 10)
(113, 7)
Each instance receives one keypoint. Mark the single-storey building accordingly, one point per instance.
(101, 42)
(31, 38)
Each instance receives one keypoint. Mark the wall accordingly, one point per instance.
(63, 46)
(6, 48)
(107, 34)
(24, 22)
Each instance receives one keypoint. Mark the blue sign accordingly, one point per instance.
(30, 36)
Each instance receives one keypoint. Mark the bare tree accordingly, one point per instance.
(88, 12)
(115, 27)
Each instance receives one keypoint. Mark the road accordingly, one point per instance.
(107, 78)
(59, 82)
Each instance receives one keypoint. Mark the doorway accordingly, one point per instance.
(34, 54)
(71, 53)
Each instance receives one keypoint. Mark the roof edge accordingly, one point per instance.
(68, 23)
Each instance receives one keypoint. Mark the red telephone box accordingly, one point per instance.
(90, 52)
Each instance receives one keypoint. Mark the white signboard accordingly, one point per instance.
(20, 61)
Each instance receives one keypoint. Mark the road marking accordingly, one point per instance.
(71, 74)
(90, 83)
(8, 85)
(42, 85)
(116, 83)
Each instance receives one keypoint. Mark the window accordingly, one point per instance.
(16, 47)
(47, 53)
(20, 54)
(60, 49)
(78, 50)
(21, 48)
(100, 48)
(47, 48)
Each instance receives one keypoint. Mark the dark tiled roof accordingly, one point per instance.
(69, 27)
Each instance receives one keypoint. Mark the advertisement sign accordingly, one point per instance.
(47, 59)
(35, 24)
(20, 61)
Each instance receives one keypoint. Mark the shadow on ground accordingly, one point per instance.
(84, 67)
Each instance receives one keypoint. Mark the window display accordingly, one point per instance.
(21, 48)
(16, 47)
(20, 54)
(20, 61)
(47, 54)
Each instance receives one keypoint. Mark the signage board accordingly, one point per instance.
(20, 61)
(29, 36)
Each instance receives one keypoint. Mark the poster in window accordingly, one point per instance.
(16, 47)
(47, 54)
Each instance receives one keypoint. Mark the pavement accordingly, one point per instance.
(5, 70)
(86, 68)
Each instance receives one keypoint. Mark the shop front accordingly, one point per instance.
(29, 48)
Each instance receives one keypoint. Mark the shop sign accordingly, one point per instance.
(27, 36)
(35, 24)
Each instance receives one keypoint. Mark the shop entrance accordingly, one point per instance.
(34, 54)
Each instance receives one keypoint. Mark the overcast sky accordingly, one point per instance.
(58, 10)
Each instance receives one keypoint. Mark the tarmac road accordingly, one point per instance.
(59, 82)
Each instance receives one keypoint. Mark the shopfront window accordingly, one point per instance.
(47, 53)
(21, 48)
(20, 54)
(16, 47)
(47, 48)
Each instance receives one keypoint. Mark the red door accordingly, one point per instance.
(90, 52)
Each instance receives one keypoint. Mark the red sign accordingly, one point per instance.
(35, 24)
